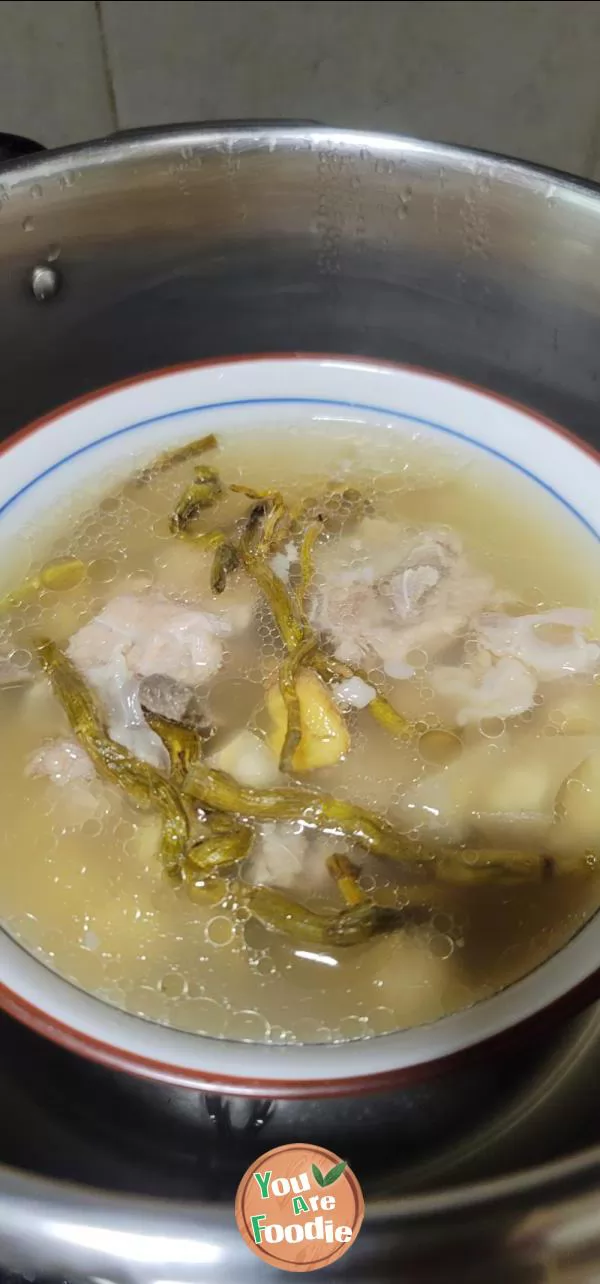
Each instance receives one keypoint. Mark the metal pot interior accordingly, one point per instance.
(182, 244)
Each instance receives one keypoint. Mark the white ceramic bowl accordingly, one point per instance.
(105, 434)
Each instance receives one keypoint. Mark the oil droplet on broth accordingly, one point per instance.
(62, 574)
(439, 747)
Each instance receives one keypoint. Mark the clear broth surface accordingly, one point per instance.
(81, 887)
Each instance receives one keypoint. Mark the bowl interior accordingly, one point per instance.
(49, 467)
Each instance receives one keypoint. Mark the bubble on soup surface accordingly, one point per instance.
(309, 1030)
(353, 1027)
(247, 1025)
(103, 570)
(92, 827)
(219, 931)
(441, 946)
(147, 1002)
(174, 985)
(278, 1034)
(202, 1016)
(492, 728)
(382, 1020)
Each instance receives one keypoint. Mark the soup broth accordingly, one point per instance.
(444, 587)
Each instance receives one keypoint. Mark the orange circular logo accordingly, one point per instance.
(299, 1207)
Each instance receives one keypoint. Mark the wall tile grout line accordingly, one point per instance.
(53, 83)
(106, 65)
(591, 164)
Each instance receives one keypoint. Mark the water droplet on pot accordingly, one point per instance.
(28, 224)
(45, 282)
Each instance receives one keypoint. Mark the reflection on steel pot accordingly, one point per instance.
(180, 244)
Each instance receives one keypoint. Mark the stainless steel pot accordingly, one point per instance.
(160, 247)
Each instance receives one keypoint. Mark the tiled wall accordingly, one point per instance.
(515, 76)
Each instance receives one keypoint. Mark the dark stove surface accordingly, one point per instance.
(65, 1120)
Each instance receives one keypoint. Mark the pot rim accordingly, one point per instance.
(122, 144)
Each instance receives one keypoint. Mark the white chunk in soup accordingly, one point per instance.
(338, 767)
